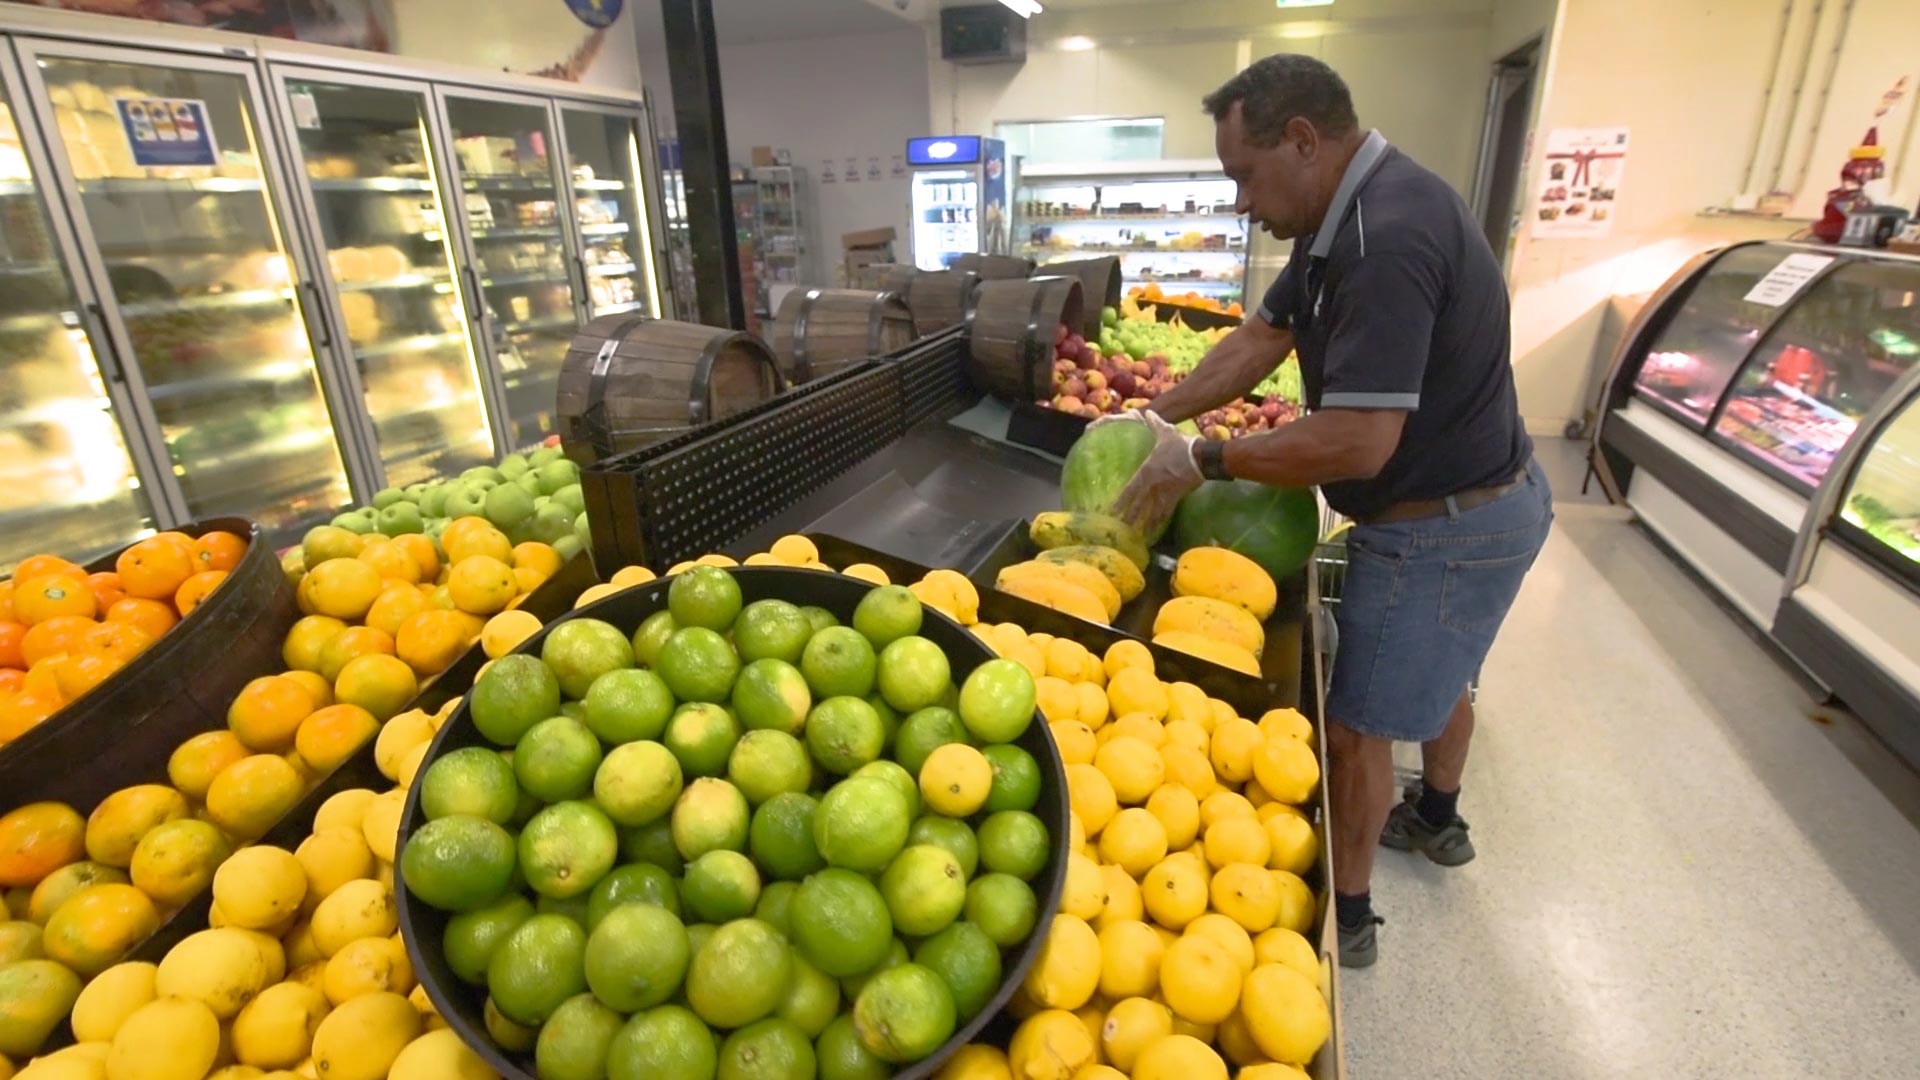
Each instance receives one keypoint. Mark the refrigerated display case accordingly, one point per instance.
(780, 250)
(613, 233)
(1172, 223)
(959, 198)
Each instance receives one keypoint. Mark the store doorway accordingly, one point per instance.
(1503, 144)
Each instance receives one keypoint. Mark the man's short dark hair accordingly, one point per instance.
(1275, 89)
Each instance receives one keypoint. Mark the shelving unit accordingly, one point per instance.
(1171, 223)
(780, 227)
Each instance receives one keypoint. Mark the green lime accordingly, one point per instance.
(698, 665)
(513, 1038)
(851, 986)
(572, 907)
(628, 705)
(556, 760)
(652, 844)
(637, 957)
(819, 618)
(581, 650)
(949, 833)
(472, 780)
(845, 733)
(1016, 778)
(697, 935)
(912, 673)
(781, 837)
(840, 922)
(702, 735)
(573, 1043)
(651, 636)
(471, 937)
(637, 783)
(704, 596)
(895, 774)
(889, 717)
(710, 816)
(771, 694)
(770, 1049)
(566, 849)
(527, 806)
(1013, 842)
(721, 885)
(904, 1014)
(740, 974)
(776, 904)
(1003, 906)
(766, 763)
(967, 961)
(667, 1043)
(771, 629)
(634, 883)
(924, 732)
(516, 692)
(861, 824)
(458, 863)
(996, 701)
(574, 710)
(538, 966)
(924, 889)
(841, 1057)
(813, 998)
(887, 614)
(837, 661)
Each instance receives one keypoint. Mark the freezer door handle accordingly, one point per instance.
(95, 318)
(316, 317)
(586, 286)
(472, 296)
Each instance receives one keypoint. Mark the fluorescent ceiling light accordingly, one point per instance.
(1076, 43)
(1027, 9)
(1300, 3)
(1302, 30)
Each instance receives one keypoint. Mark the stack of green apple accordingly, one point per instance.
(533, 496)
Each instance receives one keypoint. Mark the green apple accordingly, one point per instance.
(557, 474)
(400, 518)
(465, 500)
(580, 528)
(507, 506)
(485, 473)
(544, 455)
(387, 497)
(433, 501)
(552, 522)
(569, 546)
(354, 521)
(528, 482)
(513, 466)
(572, 498)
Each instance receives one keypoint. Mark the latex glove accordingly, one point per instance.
(1168, 474)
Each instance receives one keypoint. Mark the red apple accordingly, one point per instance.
(1089, 412)
(1076, 342)
(1061, 333)
(1076, 387)
(1143, 369)
(1098, 398)
(1095, 380)
(1124, 383)
(1067, 403)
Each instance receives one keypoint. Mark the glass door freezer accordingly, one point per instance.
(611, 198)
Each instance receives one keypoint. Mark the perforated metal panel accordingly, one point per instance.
(933, 376)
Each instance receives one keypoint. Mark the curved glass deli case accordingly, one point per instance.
(1760, 420)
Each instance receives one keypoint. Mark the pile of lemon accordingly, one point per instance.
(1178, 952)
(301, 971)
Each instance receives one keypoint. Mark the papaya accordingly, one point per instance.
(1079, 574)
(1060, 528)
(1119, 570)
(1225, 575)
(1213, 650)
(1058, 595)
(1216, 619)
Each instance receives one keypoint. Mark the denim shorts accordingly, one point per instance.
(1420, 607)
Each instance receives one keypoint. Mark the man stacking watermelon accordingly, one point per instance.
(1398, 311)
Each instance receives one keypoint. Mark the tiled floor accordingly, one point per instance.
(1687, 868)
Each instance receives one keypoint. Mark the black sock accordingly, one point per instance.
(1437, 808)
(1352, 911)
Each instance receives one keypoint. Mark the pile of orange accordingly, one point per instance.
(1152, 293)
(64, 631)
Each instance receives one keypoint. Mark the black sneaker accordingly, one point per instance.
(1406, 830)
(1359, 944)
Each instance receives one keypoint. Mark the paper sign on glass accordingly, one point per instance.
(167, 131)
(1787, 278)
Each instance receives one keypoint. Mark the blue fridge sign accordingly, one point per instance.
(168, 131)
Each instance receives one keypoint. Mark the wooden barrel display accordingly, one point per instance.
(882, 277)
(995, 267)
(629, 382)
(820, 331)
(1099, 287)
(938, 298)
(1010, 334)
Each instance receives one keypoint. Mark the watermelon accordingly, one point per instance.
(1099, 466)
(1275, 527)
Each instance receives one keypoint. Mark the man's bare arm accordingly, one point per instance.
(1230, 370)
(1320, 448)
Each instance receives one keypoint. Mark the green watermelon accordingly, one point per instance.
(1275, 527)
(1098, 467)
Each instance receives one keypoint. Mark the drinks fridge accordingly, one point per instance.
(960, 185)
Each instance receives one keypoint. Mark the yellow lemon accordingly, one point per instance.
(251, 794)
(1230, 935)
(1287, 768)
(275, 1030)
(867, 572)
(1097, 1071)
(1122, 655)
(1134, 841)
(505, 631)
(1179, 813)
(1187, 703)
(1130, 955)
(1190, 769)
(1093, 1015)
(439, 1055)
(1138, 725)
(367, 966)
(358, 909)
(1075, 740)
(1296, 901)
(1092, 797)
(593, 594)
(1222, 712)
(1029, 656)
(361, 1039)
(1131, 1025)
(1200, 980)
(1134, 689)
(795, 550)
(1067, 971)
(164, 1039)
(1093, 709)
(1186, 733)
(222, 969)
(397, 739)
(1225, 804)
(1058, 701)
(629, 576)
(110, 998)
(1237, 839)
(1286, 723)
(1235, 1040)
(1232, 750)
(344, 808)
(481, 585)
(1270, 809)
(1051, 1044)
(1066, 659)
(1182, 1026)
(1132, 766)
(1290, 842)
(1286, 1014)
(299, 945)
(976, 1062)
(955, 780)
(1085, 893)
(1256, 794)
(1272, 1070)
(1283, 946)
(1178, 1057)
(259, 886)
(332, 857)
(1246, 893)
(1175, 892)
(1123, 898)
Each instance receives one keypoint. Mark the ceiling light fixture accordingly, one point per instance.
(1076, 43)
(1027, 9)
(1301, 3)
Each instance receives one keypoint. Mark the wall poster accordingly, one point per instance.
(1578, 182)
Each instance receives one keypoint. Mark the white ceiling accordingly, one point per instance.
(745, 21)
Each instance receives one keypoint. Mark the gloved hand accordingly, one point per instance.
(1134, 415)
(1168, 474)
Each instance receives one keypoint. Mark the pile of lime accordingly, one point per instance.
(742, 841)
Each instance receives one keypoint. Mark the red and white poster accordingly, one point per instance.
(1577, 182)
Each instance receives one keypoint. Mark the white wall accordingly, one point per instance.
(519, 38)
(825, 99)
